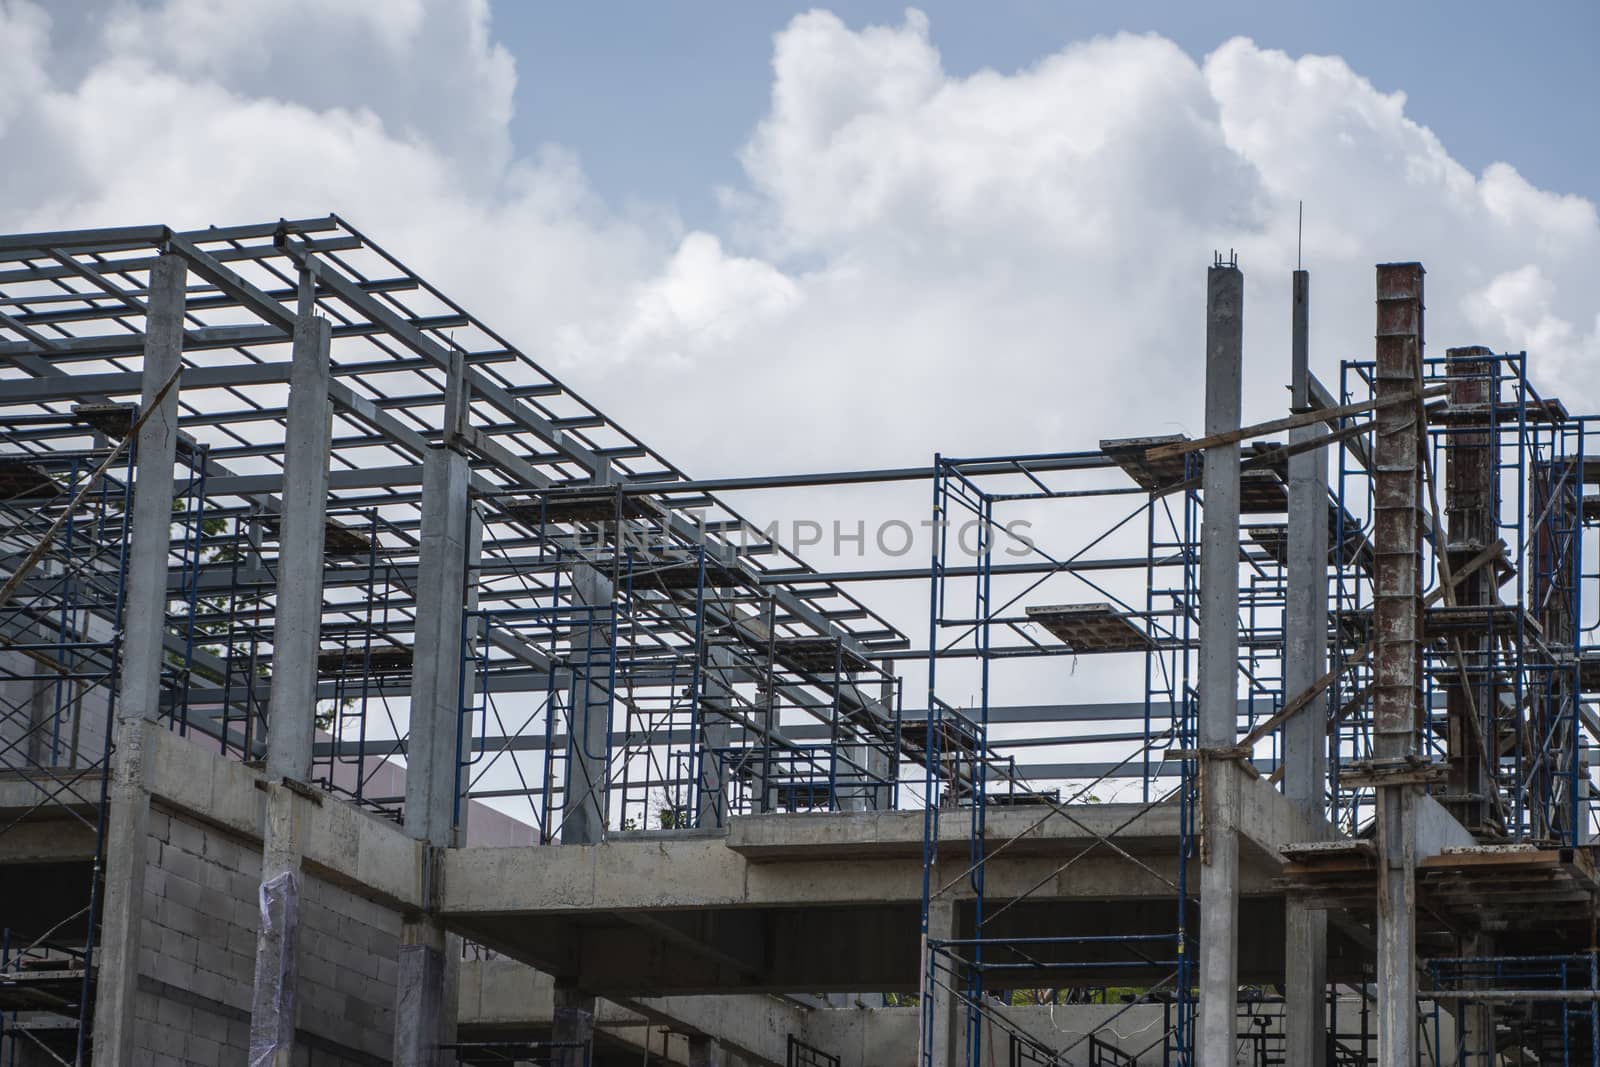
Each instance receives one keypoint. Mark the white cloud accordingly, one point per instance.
(1515, 312)
(703, 300)
(428, 70)
(1001, 262)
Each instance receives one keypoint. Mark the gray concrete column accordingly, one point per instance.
(423, 1013)
(716, 701)
(297, 616)
(420, 1000)
(42, 710)
(939, 1035)
(292, 708)
(437, 654)
(1219, 685)
(1397, 650)
(272, 1005)
(583, 802)
(880, 760)
(1475, 1021)
(572, 1025)
(1305, 658)
(706, 1052)
(139, 684)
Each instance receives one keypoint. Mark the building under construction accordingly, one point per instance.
(366, 696)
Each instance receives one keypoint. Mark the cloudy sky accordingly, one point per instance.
(848, 239)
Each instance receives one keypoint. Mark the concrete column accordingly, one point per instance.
(583, 803)
(868, 763)
(436, 665)
(139, 686)
(421, 994)
(1219, 686)
(41, 711)
(272, 1006)
(297, 617)
(572, 1024)
(716, 700)
(1475, 1021)
(939, 1035)
(1305, 737)
(706, 1052)
(881, 762)
(1397, 651)
(420, 1000)
(292, 707)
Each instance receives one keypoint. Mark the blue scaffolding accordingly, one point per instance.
(968, 769)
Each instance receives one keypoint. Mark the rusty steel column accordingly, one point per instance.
(1397, 650)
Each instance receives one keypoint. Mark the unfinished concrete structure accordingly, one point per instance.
(368, 697)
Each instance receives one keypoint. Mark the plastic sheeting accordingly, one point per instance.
(272, 1023)
(573, 1029)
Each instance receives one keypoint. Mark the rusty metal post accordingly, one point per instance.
(1397, 653)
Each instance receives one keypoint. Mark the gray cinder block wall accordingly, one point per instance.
(196, 962)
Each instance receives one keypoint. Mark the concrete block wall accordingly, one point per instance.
(197, 943)
(348, 948)
(197, 956)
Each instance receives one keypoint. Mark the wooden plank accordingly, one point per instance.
(1261, 429)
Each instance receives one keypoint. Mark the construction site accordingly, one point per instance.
(368, 697)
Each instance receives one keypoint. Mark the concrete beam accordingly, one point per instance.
(342, 844)
(800, 860)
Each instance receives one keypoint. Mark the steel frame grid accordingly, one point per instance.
(410, 370)
(671, 613)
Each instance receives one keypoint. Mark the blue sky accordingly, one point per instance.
(658, 97)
